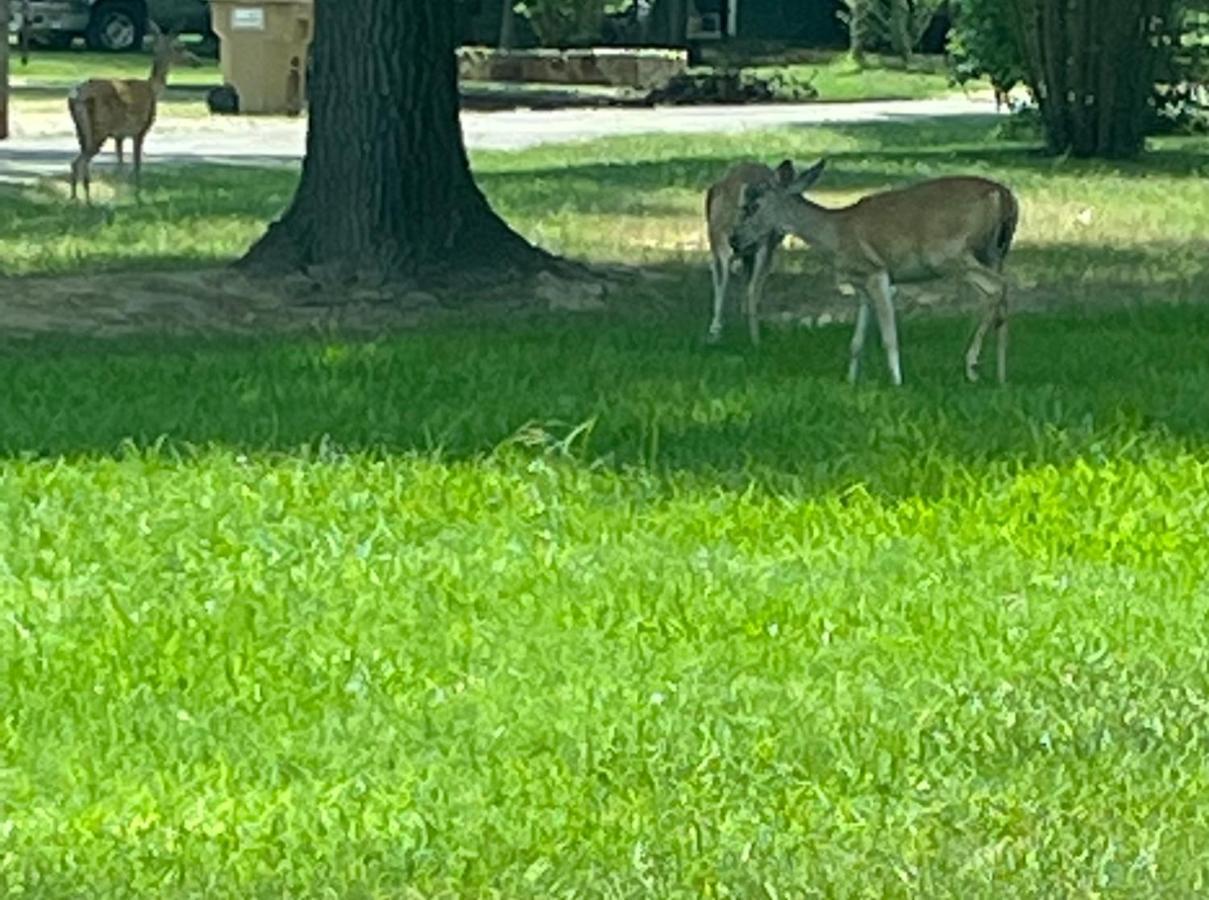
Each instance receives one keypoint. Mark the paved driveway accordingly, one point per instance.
(44, 145)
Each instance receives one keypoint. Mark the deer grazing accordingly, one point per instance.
(723, 205)
(946, 227)
(104, 108)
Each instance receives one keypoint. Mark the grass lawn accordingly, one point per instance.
(580, 607)
(839, 78)
(70, 67)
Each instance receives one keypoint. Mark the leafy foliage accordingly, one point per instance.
(983, 43)
(897, 25)
(561, 23)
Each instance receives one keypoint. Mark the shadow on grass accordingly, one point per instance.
(781, 416)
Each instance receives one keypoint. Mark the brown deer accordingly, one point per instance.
(104, 108)
(955, 226)
(723, 205)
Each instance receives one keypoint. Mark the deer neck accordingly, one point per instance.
(159, 74)
(812, 223)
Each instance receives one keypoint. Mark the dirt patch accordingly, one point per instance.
(222, 301)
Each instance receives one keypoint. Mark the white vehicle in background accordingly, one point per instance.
(114, 26)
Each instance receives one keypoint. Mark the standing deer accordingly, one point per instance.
(104, 108)
(956, 226)
(723, 206)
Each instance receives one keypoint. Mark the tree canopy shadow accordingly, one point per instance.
(657, 397)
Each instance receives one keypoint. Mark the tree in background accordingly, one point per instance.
(1102, 72)
(562, 23)
(1091, 66)
(386, 190)
(895, 25)
(982, 44)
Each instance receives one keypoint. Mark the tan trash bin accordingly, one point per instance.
(264, 51)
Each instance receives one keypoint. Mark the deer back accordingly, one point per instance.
(924, 227)
(113, 107)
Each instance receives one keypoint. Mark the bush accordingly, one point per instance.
(732, 86)
(983, 44)
(562, 23)
(894, 25)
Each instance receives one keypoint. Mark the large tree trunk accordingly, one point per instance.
(1091, 66)
(386, 190)
(4, 17)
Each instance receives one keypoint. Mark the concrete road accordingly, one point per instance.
(44, 144)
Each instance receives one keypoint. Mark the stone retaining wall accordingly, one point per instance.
(635, 68)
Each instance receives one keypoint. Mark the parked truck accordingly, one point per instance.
(114, 26)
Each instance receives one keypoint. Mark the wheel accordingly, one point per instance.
(117, 27)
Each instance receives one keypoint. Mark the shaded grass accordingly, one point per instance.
(371, 618)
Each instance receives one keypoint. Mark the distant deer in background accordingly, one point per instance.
(959, 226)
(104, 108)
(723, 205)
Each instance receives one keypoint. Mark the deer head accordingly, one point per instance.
(168, 51)
(758, 216)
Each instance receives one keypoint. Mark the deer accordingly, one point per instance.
(723, 204)
(955, 226)
(103, 108)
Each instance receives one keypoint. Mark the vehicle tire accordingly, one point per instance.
(117, 27)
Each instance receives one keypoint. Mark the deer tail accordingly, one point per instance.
(1008, 222)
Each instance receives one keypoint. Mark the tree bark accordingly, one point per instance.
(4, 19)
(386, 191)
(507, 25)
(1091, 67)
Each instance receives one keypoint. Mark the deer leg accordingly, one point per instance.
(883, 299)
(755, 288)
(989, 285)
(80, 171)
(719, 269)
(858, 337)
(120, 142)
(1001, 337)
(138, 166)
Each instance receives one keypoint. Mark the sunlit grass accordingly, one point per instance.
(67, 68)
(840, 79)
(579, 607)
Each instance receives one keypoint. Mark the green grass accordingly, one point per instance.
(1091, 232)
(840, 79)
(70, 67)
(379, 618)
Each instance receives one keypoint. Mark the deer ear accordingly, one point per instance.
(153, 29)
(785, 172)
(807, 177)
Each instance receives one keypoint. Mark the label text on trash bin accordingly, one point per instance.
(247, 18)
